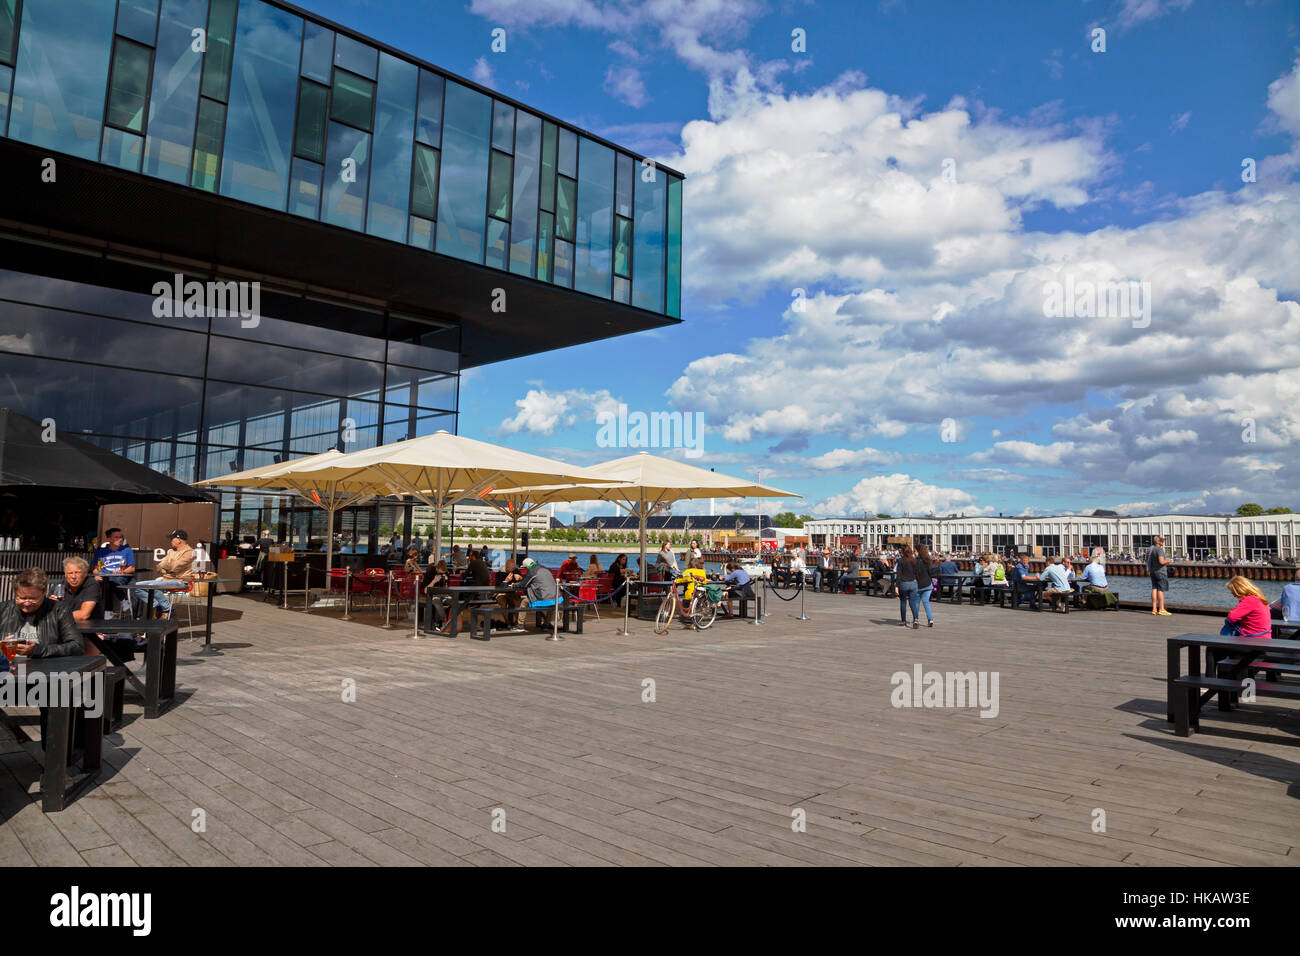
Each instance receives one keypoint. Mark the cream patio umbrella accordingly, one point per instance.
(326, 490)
(440, 468)
(643, 485)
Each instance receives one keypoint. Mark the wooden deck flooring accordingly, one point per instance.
(750, 723)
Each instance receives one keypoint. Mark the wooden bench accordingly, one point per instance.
(1187, 705)
(480, 618)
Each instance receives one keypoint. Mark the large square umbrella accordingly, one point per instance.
(643, 485)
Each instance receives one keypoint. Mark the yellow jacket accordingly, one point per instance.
(691, 576)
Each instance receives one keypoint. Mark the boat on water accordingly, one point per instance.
(756, 569)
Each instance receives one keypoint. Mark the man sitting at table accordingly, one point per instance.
(570, 566)
(1094, 575)
(176, 565)
(539, 585)
(1058, 588)
(44, 627)
(114, 557)
(1019, 575)
(739, 583)
(477, 572)
(1289, 602)
(948, 571)
(81, 591)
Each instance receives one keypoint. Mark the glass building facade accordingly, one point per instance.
(255, 103)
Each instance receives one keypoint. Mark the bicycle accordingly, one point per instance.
(701, 612)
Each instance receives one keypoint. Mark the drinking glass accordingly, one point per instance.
(9, 647)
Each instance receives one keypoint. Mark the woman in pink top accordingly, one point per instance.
(1251, 616)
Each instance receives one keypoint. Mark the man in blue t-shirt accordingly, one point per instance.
(1018, 574)
(1289, 602)
(739, 585)
(113, 557)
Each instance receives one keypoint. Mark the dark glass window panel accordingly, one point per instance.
(220, 42)
(344, 201)
(563, 263)
(523, 218)
(128, 84)
(138, 19)
(122, 150)
(622, 290)
(420, 233)
(424, 191)
(566, 201)
(407, 386)
(462, 190)
(38, 388)
(419, 344)
(622, 246)
(305, 189)
(428, 120)
(494, 252)
(61, 76)
(6, 80)
(623, 185)
(8, 31)
(595, 221)
(399, 423)
(499, 185)
(317, 52)
(174, 100)
(355, 57)
(354, 100)
(545, 239)
(263, 90)
(674, 250)
(85, 297)
(503, 126)
(309, 139)
(649, 205)
(209, 130)
(359, 335)
(56, 333)
(547, 196)
(567, 159)
(390, 177)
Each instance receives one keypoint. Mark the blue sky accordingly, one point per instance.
(923, 313)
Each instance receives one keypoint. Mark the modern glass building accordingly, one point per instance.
(393, 223)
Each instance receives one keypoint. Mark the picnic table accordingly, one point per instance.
(159, 687)
(463, 596)
(68, 733)
(1188, 691)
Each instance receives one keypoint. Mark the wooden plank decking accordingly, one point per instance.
(749, 724)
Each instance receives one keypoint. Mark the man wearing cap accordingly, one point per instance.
(570, 566)
(539, 583)
(176, 565)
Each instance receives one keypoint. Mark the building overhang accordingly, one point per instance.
(123, 215)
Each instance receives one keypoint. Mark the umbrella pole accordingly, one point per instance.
(641, 519)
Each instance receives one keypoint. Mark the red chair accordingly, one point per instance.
(587, 594)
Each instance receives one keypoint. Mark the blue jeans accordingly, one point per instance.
(140, 594)
(908, 596)
(924, 597)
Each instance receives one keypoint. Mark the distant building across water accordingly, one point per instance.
(1198, 537)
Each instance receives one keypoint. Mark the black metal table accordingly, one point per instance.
(57, 749)
(462, 596)
(1249, 649)
(159, 687)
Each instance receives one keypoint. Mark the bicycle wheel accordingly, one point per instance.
(667, 608)
(703, 611)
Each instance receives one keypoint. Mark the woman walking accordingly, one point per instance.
(905, 584)
(926, 570)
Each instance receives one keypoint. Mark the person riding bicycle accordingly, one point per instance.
(692, 576)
